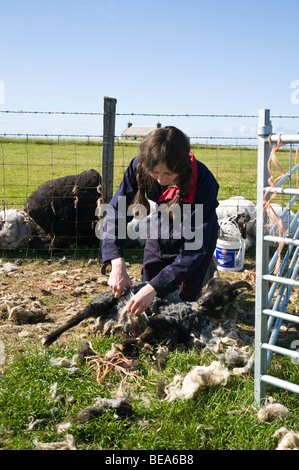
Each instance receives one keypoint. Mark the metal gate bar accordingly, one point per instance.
(269, 315)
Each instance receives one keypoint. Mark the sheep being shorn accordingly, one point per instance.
(169, 321)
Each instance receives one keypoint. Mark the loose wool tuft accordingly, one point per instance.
(288, 440)
(199, 378)
(272, 410)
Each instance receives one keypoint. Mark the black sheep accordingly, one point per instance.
(166, 320)
(64, 208)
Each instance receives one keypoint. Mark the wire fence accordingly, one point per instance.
(30, 161)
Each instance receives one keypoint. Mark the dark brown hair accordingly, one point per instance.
(168, 146)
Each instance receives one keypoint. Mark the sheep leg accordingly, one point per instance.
(97, 307)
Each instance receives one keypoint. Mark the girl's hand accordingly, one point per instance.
(142, 300)
(119, 278)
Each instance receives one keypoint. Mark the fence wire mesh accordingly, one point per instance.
(29, 163)
(30, 160)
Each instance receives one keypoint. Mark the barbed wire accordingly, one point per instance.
(28, 134)
(147, 114)
(49, 112)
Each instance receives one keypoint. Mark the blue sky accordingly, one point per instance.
(158, 57)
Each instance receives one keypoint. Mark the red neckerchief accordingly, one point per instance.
(172, 191)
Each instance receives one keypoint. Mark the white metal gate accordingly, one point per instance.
(270, 309)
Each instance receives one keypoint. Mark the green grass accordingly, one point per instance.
(220, 418)
(27, 165)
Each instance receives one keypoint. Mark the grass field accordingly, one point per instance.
(221, 418)
(27, 165)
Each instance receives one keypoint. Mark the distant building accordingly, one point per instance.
(137, 132)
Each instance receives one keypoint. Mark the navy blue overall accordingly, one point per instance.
(167, 264)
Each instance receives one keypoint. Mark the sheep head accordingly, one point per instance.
(218, 300)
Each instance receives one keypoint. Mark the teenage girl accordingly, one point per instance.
(165, 172)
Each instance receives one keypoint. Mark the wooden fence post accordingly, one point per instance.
(108, 148)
